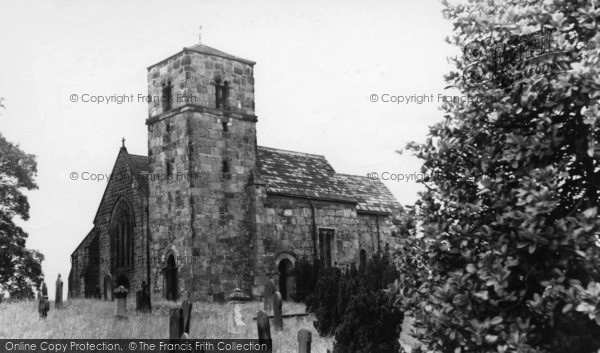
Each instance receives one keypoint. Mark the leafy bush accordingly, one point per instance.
(510, 216)
(371, 324)
(323, 302)
(305, 274)
(356, 308)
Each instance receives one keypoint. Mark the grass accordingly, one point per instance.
(89, 318)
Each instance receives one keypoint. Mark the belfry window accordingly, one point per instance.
(221, 94)
(224, 95)
(167, 95)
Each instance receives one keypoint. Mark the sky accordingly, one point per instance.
(341, 79)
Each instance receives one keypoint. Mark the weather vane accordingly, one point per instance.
(200, 35)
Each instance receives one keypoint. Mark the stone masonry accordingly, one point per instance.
(209, 210)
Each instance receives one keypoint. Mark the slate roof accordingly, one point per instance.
(372, 195)
(309, 175)
(140, 166)
(205, 49)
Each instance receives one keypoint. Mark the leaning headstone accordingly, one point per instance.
(268, 295)
(264, 329)
(121, 303)
(175, 323)
(59, 290)
(186, 308)
(277, 318)
(304, 341)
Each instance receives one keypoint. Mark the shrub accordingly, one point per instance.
(356, 308)
(371, 324)
(305, 274)
(323, 301)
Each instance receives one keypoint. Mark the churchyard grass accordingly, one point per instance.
(88, 318)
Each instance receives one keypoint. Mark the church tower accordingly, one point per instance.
(202, 150)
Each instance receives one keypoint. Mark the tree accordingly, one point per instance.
(510, 216)
(20, 268)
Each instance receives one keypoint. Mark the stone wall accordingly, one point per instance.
(286, 227)
(202, 216)
(201, 213)
(193, 76)
(80, 261)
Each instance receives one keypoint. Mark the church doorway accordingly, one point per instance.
(170, 279)
(287, 283)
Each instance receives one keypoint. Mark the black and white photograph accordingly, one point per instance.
(303, 177)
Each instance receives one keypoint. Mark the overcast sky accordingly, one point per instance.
(318, 65)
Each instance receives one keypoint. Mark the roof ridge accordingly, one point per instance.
(205, 49)
(291, 152)
(354, 175)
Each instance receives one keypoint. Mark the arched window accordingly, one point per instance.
(122, 235)
(363, 259)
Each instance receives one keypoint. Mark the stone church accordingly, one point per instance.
(208, 210)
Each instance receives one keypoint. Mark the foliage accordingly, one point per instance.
(371, 325)
(20, 268)
(510, 216)
(305, 274)
(356, 306)
(323, 302)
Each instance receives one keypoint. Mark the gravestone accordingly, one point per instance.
(59, 291)
(277, 306)
(142, 299)
(264, 329)
(268, 295)
(236, 320)
(304, 341)
(175, 323)
(120, 295)
(108, 287)
(186, 308)
(44, 303)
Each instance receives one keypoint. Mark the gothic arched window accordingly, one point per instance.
(122, 239)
